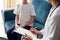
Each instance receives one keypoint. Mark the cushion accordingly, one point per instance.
(9, 25)
(8, 15)
(42, 9)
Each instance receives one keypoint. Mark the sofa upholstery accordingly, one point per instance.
(42, 9)
(9, 19)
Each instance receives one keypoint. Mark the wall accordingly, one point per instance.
(2, 30)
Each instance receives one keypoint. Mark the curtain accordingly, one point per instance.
(11, 3)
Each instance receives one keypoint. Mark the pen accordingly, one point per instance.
(35, 27)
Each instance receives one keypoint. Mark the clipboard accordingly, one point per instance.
(23, 31)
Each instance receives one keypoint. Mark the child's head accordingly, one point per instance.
(24, 1)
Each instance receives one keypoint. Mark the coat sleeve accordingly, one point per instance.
(57, 30)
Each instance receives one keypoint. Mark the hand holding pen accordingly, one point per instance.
(35, 31)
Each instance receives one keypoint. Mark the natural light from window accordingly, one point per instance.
(12, 3)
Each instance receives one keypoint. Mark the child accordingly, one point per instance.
(24, 15)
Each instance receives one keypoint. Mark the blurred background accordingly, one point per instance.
(12, 3)
(7, 18)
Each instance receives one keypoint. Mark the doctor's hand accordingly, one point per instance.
(33, 30)
(27, 37)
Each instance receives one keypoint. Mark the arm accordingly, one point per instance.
(27, 37)
(16, 19)
(55, 32)
(56, 35)
(28, 22)
(16, 12)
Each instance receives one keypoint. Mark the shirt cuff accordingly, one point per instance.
(42, 31)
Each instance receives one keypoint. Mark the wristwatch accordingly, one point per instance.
(40, 36)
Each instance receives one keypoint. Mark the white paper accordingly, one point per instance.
(24, 31)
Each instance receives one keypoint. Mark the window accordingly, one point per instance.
(12, 3)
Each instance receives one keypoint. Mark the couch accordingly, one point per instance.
(9, 19)
(9, 22)
(42, 9)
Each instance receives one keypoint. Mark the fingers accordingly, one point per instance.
(25, 36)
(32, 30)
